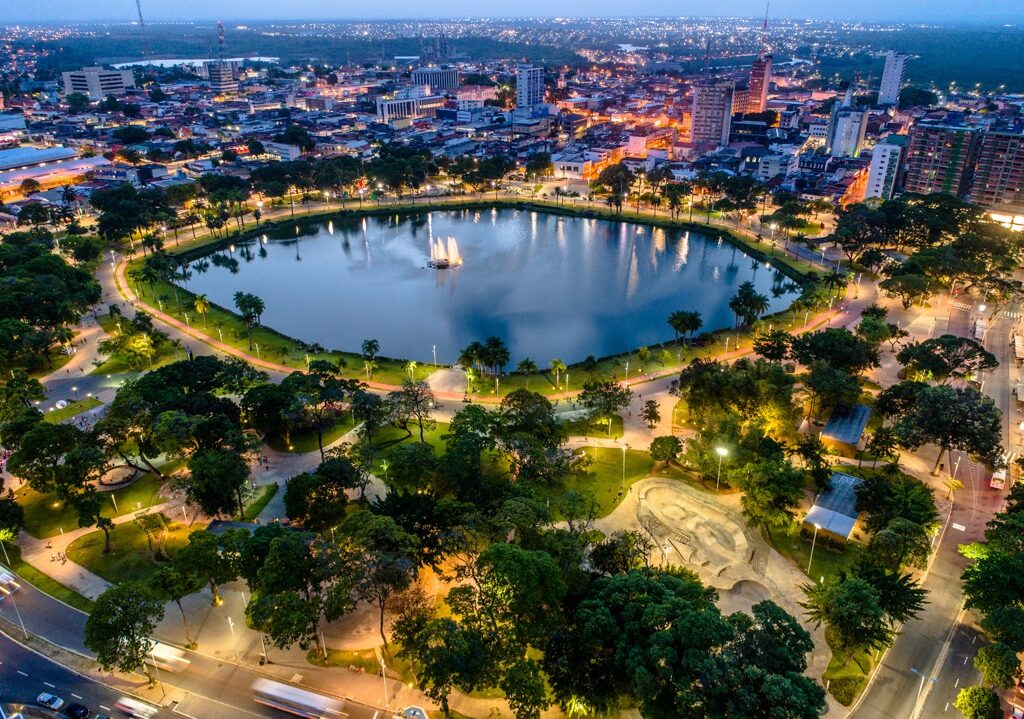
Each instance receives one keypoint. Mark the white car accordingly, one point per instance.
(8, 584)
(50, 701)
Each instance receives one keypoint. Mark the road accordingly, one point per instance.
(25, 674)
(941, 643)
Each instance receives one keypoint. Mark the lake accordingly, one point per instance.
(550, 286)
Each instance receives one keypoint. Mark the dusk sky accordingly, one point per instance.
(925, 11)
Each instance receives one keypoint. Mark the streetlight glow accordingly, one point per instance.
(722, 452)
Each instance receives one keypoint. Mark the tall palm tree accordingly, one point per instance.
(202, 306)
(558, 367)
(526, 367)
(410, 368)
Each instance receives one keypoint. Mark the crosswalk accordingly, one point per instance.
(960, 305)
(1013, 315)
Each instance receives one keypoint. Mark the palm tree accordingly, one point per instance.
(643, 355)
(370, 349)
(410, 368)
(526, 367)
(557, 366)
(202, 306)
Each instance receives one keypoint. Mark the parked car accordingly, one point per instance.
(50, 701)
(77, 711)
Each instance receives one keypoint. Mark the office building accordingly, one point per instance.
(412, 103)
(712, 112)
(97, 83)
(892, 77)
(941, 156)
(886, 164)
(222, 78)
(439, 79)
(760, 79)
(846, 132)
(999, 178)
(529, 86)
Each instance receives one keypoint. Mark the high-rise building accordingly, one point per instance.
(222, 78)
(529, 86)
(712, 112)
(892, 77)
(941, 156)
(97, 83)
(886, 163)
(846, 128)
(438, 78)
(999, 179)
(760, 79)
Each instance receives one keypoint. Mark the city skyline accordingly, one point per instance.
(914, 11)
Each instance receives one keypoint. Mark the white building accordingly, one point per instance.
(412, 103)
(438, 78)
(846, 132)
(885, 165)
(892, 77)
(222, 78)
(97, 83)
(529, 86)
(712, 113)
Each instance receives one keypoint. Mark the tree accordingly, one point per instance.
(978, 703)
(666, 449)
(211, 558)
(684, 322)
(851, 611)
(954, 418)
(173, 582)
(317, 501)
(385, 561)
(557, 366)
(604, 398)
(370, 349)
(415, 401)
(202, 305)
(908, 288)
(773, 345)
(813, 455)
(748, 304)
(251, 308)
(891, 494)
(946, 358)
(650, 413)
(539, 164)
(772, 490)
(622, 552)
(901, 543)
(830, 386)
(998, 665)
(837, 346)
(120, 625)
(216, 479)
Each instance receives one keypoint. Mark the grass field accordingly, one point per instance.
(594, 428)
(131, 557)
(605, 478)
(73, 409)
(829, 559)
(847, 679)
(259, 501)
(45, 516)
(302, 442)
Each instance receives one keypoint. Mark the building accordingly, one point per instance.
(886, 163)
(439, 79)
(412, 103)
(97, 83)
(222, 78)
(712, 112)
(529, 86)
(835, 510)
(760, 79)
(892, 77)
(999, 178)
(846, 131)
(941, 157)
(49, 167)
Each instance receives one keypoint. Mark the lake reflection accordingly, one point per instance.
(550, 286)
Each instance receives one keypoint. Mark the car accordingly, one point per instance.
(50, 701)
(8, 584)
(415, 713)
(77, 711)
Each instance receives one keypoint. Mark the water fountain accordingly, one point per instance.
(443, 256)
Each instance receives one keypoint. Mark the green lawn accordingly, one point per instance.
(73, 409)
(130, 558)
(302, 442)
(604, 479)
(45, 516)
(829, 559)
(390, 435)
(44, 583)
(364, 660)
(847, 679)
(259, 501)
(594, 428)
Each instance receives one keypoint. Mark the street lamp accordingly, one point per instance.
(75, 390)
(722, 452)
(981, 307)
(813, 542)
(234, 641)
(622, 485)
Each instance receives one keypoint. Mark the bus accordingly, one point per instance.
(166, 657)
(135, 708)
(291, 699)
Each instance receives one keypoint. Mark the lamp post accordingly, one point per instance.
(622, 485)
(234, 640)
(384, 676)
(722, 452)
(813, 542)
(435, 355)
(75, 390)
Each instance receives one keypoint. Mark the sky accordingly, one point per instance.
(925, 11)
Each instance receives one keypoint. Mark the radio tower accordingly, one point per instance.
(222, 79)
(142, 23)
